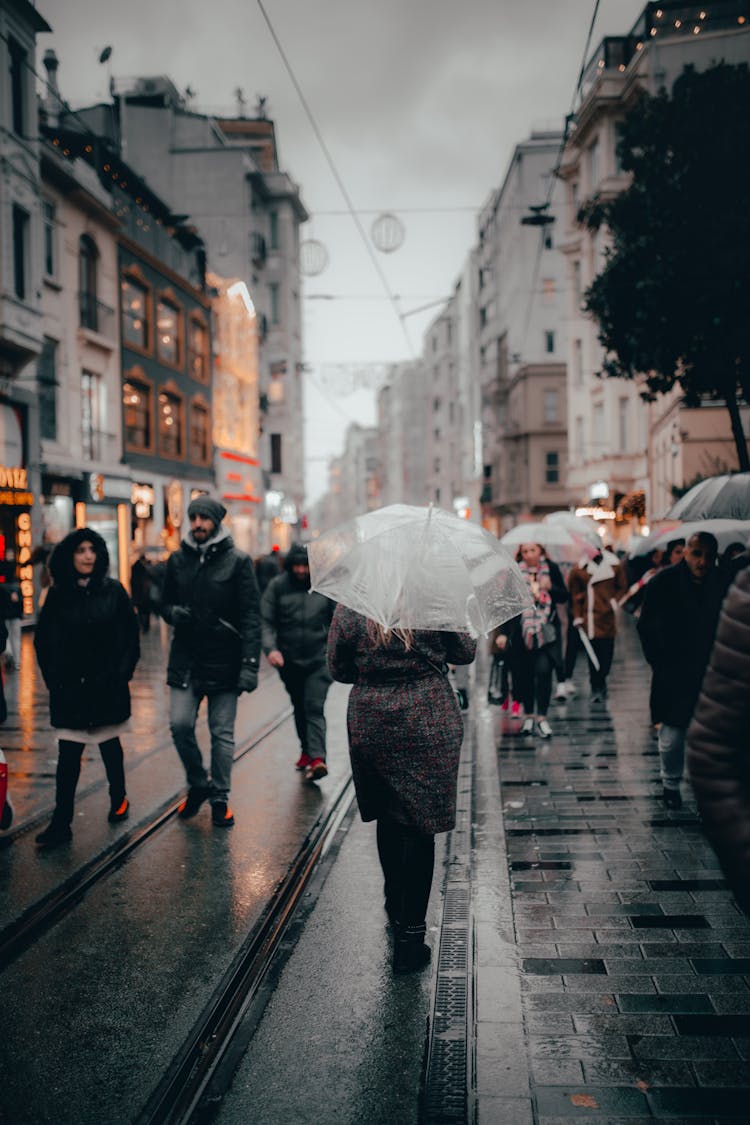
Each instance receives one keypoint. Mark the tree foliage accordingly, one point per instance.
(673, 299)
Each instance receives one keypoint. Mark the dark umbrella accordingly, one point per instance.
(722, 497)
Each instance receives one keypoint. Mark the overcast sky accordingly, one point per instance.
(420, 103)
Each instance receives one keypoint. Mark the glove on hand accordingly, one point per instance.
(181, 615)
(248, 680)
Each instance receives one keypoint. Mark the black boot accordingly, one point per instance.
(410, 952)
(66, 779)
(119, 806)
(54, 835)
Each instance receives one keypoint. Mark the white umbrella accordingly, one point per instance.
(560, 542)
(724, 531)
(419, 568)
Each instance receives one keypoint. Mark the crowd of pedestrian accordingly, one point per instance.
(404, 724)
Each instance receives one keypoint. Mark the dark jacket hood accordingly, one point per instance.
(296, 556)
(61, 561)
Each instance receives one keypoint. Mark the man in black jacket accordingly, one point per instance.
(677, 627)
(295, 638)
(211, 598)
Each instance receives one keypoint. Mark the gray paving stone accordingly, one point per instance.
(684, 1047)
(584, 1047)
(644, 1072)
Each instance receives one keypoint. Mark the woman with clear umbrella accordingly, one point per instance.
(405, 734)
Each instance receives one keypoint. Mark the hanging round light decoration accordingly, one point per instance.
(387, 232)
(313, 257)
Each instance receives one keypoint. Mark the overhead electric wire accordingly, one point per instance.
(556, 170)
(337, 177)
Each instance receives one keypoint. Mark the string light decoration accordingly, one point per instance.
(387, 233)
(313, 258)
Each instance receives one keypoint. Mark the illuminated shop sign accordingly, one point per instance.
(142, 498)
(14, 487)
(23, 556)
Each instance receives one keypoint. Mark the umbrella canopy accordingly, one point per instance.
(722, 497)
(419, 568)
(579, 525)
(560, 542)
(724, 531)
(642, 544)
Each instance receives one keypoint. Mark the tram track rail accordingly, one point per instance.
(201, 1071)
(21, 934)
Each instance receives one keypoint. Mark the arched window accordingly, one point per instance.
(88, 257)
(138, 411)
(171, 422)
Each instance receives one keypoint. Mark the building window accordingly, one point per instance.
(168, 332)
(619, 131)
(275, 453)
(594, 164)
(599, 440)
(20, 251)
(275, 390)
(198, 349)
(549, 342)
(48, 238)
(436, 404)
(578, 362)
(552, 467)
(138, 412)
(548, 288)
(549, 241)
(46, 373)
(88, 258)
(623, 417)
(18, 62)
(200, 442)
(273, 230)
(135, 313)
(170, 424)
(577, 286)
(90, 416)
(551, 406)
(274, 295)
(579, 440)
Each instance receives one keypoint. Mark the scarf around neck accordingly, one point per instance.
(537, 615)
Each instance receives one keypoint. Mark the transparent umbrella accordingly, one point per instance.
(418, 568)
(579, 525)
(560, 542)
(722, 497)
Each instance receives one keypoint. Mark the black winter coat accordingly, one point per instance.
(677, 627)
(86, 642)
(222, 634)
(718, 746)
(296, 621)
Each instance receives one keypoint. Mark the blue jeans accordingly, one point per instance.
(183, 712)
(671, 755)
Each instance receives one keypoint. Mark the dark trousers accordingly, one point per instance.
(69, 769)
(308, 688)
(407, 857)
(535, 675)
(604, 647)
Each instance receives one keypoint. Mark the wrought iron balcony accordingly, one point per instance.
(95, 316)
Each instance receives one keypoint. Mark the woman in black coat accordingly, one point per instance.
(87, 646)
(405, 733)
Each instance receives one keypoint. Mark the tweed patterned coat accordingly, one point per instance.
(405, 727)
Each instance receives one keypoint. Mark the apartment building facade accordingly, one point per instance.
(626, 456)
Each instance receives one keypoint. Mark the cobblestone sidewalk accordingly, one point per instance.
(635, 960)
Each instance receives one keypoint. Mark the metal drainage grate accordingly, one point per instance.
(446, 1091)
